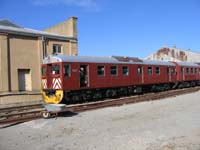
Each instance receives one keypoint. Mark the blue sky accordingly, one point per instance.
(122, 27)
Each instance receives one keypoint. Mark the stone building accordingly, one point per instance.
(174, 54)
(21, 54)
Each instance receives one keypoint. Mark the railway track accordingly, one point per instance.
(19, 114)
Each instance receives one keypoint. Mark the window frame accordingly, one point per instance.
(53, 69)
(157, 71)
(148, 70)
(98, 71)
(127, 70)
(58, 48)
(116, 70)
(64, 70)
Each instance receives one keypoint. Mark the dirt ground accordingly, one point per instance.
(170, 124)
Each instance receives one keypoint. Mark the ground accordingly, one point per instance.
(169, 124)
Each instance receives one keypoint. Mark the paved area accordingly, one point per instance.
(170, 124)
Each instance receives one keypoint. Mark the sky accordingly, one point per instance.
(134, 28)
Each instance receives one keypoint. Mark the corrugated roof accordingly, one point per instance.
(31, 32)
(97, 59)
(5, 22)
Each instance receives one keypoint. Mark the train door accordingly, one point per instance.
(140, 72)
(49, 76)
(169, 72)
(84, 76)
(183, 72)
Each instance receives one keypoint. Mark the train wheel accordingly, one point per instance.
(46, 115)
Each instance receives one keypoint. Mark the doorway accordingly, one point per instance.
(24, 80)
(83, 74)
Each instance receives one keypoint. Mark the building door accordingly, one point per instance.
(24, 80)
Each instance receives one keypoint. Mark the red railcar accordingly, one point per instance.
(71, 78)
(187, 73)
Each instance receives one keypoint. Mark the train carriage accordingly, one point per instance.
(72, 78)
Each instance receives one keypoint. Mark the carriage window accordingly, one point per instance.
(67, 71)
(195, 70)
(157, 70)
(187, 70)
(56, 69)
(125, 70)
(101, 70)
(191, 70)
(139, 70)
(150, 71)
(113, 70)
(181, 69)
(168, 70)
(173, 70)
(44, 71)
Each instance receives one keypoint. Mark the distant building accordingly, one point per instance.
(21, 54)
(174, 54)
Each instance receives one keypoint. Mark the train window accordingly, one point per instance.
(125, 70)
(44, 70)
(191, 70)
(181, 69)
(56, 69)
(168, 70)
(195, 70)
(187, 70)
(173, 70)
(157, 70)
(139, 70)
(67, 70)
(113, 70)
(150, 71)
(101, 70)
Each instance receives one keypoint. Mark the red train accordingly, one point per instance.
(71, 79)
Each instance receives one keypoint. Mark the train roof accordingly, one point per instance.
(99, 59)
(187, 64)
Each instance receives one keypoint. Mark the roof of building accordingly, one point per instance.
(98, 59)
(5, 22)
(7, 26)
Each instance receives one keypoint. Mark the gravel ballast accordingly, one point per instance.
(169, 124)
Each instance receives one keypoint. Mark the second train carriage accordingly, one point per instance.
(71, 78)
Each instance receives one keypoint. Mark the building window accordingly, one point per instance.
(67, 71)
(157, 70)
(101, 70)
(113, 70)
(139, 70)
(125, 70)
(150, 70)
(57, 48)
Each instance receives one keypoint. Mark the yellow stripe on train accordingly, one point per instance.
(55, 99)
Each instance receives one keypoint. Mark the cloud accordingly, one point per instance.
(79, 3)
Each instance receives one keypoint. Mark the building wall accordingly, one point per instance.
(69, 48)
(23, 54)
(67, 28)
(4, 86)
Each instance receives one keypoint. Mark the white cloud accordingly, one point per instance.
(79, 3)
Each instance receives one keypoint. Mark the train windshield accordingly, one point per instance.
(44, 70)
(56, 69)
